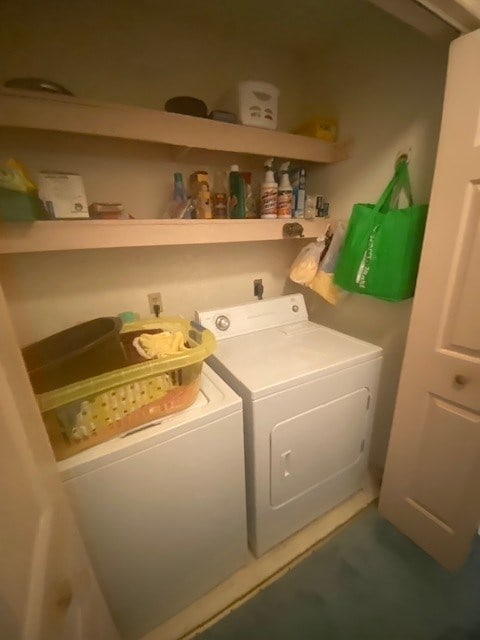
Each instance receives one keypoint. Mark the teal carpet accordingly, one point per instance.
(369, 582)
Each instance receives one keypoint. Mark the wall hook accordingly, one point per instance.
(402, 156)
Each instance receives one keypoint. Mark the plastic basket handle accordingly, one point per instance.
(201, 335)
(197, 326)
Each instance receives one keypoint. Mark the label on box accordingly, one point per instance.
(63, 195)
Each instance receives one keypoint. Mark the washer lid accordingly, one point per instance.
(267, 361)
(215, 400)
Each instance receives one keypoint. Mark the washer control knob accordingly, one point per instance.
(222, 323)
(295, 308)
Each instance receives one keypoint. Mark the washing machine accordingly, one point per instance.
(309, 397)
(162, 509)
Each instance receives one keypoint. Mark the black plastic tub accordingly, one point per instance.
(79, 352)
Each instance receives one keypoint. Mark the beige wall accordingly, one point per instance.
(383, 80)
(50, 291)
(132, 52)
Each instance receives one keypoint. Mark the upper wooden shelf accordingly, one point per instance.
(52, 112)
(68, 235)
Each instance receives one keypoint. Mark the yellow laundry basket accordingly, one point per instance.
(86, 413)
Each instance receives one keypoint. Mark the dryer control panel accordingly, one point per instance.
(228, 322)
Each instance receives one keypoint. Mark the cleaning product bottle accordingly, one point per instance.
(179, 192)
(284, 208)
(220, 195)
(269, 193)
(200, 191)
(236, 202)
(250, 208)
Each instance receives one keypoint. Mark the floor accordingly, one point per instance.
(258, 573)
(368, 582)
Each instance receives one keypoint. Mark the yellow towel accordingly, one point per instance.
(162, 344)
(324, 285)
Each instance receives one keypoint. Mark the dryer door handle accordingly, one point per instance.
(285, 463)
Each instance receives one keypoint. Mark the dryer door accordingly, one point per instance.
(313, 447)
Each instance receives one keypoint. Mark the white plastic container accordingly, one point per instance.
(258, 104)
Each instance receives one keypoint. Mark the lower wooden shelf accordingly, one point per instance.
(68, 235)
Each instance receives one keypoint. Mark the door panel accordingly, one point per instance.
(449, 450)
(310, 448)
(20, 541)
(463, 330)
(47, 589)
(431, 488)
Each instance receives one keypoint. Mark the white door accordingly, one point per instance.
(431, 488)
(47, 588)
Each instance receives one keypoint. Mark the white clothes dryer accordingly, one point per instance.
(309, 396)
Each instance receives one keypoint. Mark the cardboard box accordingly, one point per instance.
(63, 195)
(321, 128)
(298, 180)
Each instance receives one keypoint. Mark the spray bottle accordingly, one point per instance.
(284, 209)
(269, 193)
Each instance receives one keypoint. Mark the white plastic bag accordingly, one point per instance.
(322, 283)
(330, 260)
(305, 265)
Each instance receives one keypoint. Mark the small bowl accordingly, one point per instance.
(187, 106)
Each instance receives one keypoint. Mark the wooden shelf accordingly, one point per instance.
(53, 112)
(63, 235)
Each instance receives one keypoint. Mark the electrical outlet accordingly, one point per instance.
(258, 288)
(154, 299)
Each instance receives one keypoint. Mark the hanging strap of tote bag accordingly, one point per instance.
(391, 195)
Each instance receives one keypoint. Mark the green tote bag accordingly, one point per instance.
(382, 246)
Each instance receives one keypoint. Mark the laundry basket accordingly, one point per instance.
(86, 413)
(82, 351)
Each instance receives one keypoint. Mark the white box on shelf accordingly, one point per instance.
(255, 103)
(258, 104)
(63, 194)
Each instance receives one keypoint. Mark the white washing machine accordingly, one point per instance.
(308, 399)
(162, 510)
